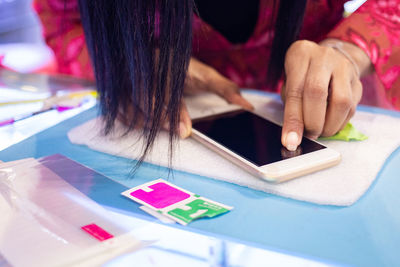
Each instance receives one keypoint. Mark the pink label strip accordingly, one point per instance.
(97, 232)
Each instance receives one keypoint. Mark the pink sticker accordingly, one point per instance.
(162, 195)
(97, 232)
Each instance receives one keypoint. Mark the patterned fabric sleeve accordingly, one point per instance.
(375, 28)
(63, 33)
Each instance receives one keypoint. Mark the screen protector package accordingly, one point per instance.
(174, 202)
(46, 222)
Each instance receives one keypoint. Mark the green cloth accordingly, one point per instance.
(349, 133)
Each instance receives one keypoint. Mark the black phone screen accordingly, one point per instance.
(251, 137)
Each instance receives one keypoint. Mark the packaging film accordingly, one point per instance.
(46, 222)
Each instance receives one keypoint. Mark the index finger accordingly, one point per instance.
(229, 91)
(293, 125)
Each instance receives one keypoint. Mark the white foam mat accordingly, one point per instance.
(341, 185)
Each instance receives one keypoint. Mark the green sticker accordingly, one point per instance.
(196, 209)
(349, 133)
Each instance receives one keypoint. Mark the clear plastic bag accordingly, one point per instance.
(43, 218)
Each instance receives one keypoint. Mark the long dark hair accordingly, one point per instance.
(288, 24)
(140, 50)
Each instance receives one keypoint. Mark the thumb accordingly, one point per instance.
(185, 123)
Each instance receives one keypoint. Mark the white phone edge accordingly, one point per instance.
(279, 171)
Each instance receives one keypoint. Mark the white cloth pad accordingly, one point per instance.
(341, 185)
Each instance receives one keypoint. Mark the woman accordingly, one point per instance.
(146, 54)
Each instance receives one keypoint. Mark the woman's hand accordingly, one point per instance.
(322, 89)
(200, 78)
(203, 78)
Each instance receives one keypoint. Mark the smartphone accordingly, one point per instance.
(254, 143)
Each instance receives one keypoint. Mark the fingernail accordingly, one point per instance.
(182, 130)
(250, 106)
(292, 140)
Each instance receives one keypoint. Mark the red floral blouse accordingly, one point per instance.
(374, 27)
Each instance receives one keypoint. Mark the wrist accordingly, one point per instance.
(353, 53)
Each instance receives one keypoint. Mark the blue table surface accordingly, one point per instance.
(364, 234)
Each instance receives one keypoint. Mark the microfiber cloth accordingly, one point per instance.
(348, 133)
(341, 185)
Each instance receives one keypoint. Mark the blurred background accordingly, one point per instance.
(21, 40)
(18, 23)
